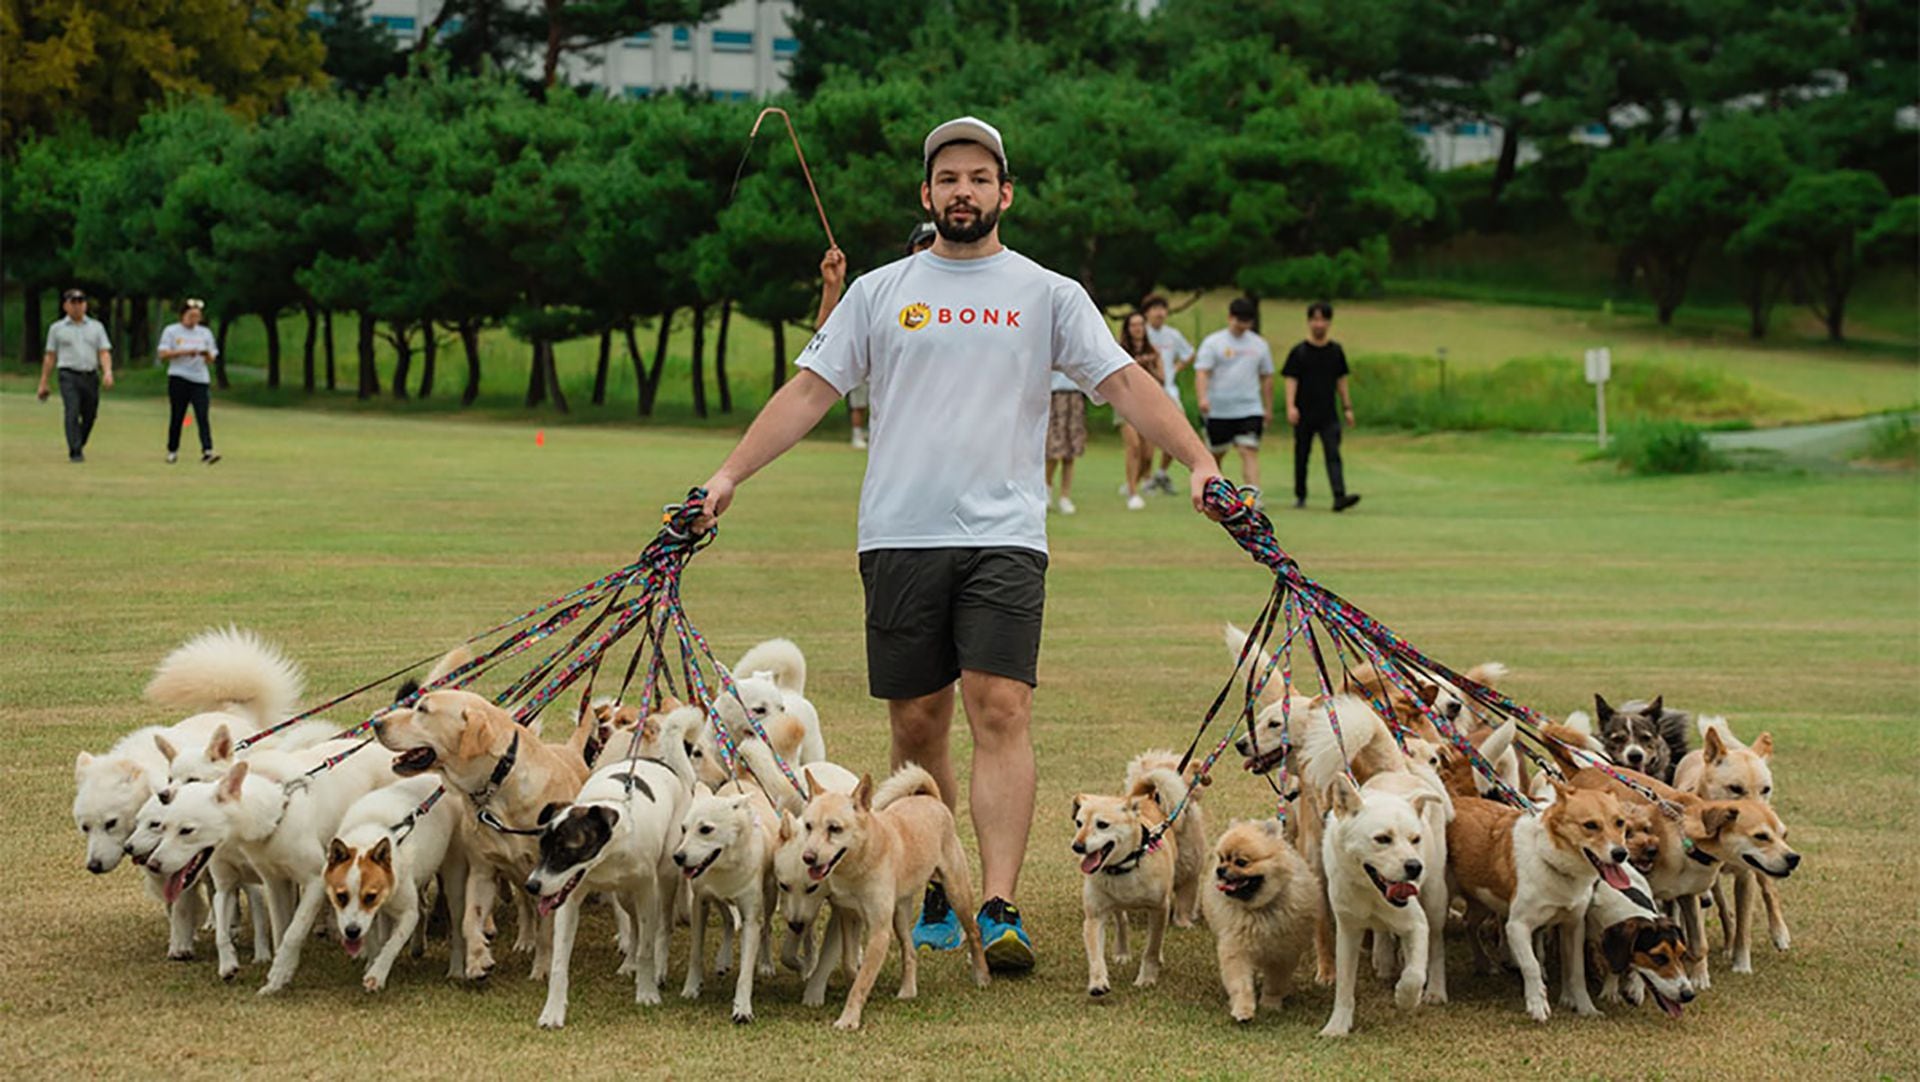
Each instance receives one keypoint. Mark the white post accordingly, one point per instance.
(1599, 370)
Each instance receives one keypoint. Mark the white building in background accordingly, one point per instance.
(743, 53)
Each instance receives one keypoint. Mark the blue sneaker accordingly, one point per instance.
(939, 928)
(1008, 948)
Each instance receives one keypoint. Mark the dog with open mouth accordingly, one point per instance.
(1129, 862)
(1536, 870)
(391, 846)
(726, 849)
(616, 837)
(801, 897)
(1385, 863)
(1261, 907)
(503, 769)
(876, 849)
(1726, 769)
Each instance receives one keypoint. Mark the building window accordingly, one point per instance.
(786, 48)
(732, 41)
(396, 23)
(636, 91)
(641, 40)
(682, 38)
(1423, 128)
(729, 95)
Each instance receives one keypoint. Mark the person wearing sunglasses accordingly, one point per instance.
(188, 348)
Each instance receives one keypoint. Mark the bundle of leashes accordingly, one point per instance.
(1301, 610)
(643, 596)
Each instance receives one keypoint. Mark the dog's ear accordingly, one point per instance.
(1346, 798)
(407, 689)
(609, 817)
(1762, 746)
(1616, 945)
(1600, 708)
(789, 826)
(167, 750)
(548, 812)
(1425, 799)
(1429, 693)
(81, 762)
(1713, 748)
(668, 704)
(338, 853)
(813, 784)
(1077, 799)
(473, 734)
(1561, 790)
(229, 790)
(382, 853)
(1657, 707)
(1718, 817)
(863, 793)
(220, 744)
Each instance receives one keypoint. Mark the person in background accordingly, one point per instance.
(833, 279)
(1176, 353)
(188, 349)
(78, 347)
(1139, 453)
(1316, 370)
(1066, 436)
(1233, 379)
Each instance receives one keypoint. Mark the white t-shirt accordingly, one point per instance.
(960, 356)
(1174, 348)
(181, 336)
(1235, 364)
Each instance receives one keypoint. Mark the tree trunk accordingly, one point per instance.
(220, 354)
(553, 380)
(600, 370)
(326, 332)
(369, 374)
(33, 334)
(550, 61)
(306, 364)
(650, 387)
(779, 354)
(635, 358)
(1508, 164)
(470, 342)
(403, 358)
(271, 321)
(536, 382)
(429, 354)
(139, 323)
(720, 358)
(700, 360)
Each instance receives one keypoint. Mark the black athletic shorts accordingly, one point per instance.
(934, 612)
(1224, 432)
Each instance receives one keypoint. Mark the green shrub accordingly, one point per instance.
(1894, 440)
(1649, 448)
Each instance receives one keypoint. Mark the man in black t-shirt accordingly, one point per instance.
(1316, 371)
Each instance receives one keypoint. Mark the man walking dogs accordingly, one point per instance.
(78, 347)
(959, 344)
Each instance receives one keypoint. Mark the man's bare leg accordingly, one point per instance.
(920, 730)
(999, 710)
(1250, 464)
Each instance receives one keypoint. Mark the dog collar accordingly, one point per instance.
(1149, 841)
(1697, 855)
(500, 771)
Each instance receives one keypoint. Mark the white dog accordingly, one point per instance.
(380, 863)
(726, 849)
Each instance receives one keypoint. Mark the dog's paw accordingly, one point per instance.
(647, 997)
(1324, 975)
(1782, 940)
(1406, 994)
(808, 999)
(228, 973)
(1538, 1010)
(689, 991)
(272, 988)
(1337, 1028)
(1183, 921)
(1146, 979)
(1098, 990)
(845, 1024)
(373, 982)
(1434, 997)
(553, 1018)
(1580, 1008)
(743, 1017)
(1121, 958)
(1242, 1015)
(180, 955)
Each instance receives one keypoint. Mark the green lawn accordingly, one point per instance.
(1790, 602)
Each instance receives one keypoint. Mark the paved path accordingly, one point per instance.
(1832, 439)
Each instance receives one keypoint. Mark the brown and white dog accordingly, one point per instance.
(1262, 908)
(876, 850)
(1726, 769)
(1128, 864)
(1190, 831)
(501, 767)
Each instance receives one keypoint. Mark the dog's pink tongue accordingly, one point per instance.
(1090, 863)
(1615, 877)
(1400, 892)
(1672, 1007)
(176, 883)
(352, 946)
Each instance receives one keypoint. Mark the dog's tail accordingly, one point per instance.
(1559, 738)
(228, 669)
(1580, 722)
(1364, 743)
(1716, 723)
(1489, 673)
(785, 665)
(585, 738)
(451, 660)
(760, 761)
(909, 780)
(1236, 641)
(1164, 784)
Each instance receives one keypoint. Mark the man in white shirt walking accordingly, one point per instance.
(1176, 353)
(78, 347)
(959, 344)
(1233, 378)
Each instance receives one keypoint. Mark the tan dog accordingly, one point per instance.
(1128, 863)
(1262, 910)
(468, 740)
(876, 851)
(1538, 871)
(1190, 830)
(1725, 769)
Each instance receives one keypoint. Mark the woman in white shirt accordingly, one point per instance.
(189, 349)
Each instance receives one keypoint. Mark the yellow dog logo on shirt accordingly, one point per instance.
(915, 316)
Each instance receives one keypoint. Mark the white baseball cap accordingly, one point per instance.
(970, 128)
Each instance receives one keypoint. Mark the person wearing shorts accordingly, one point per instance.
(1233, 378)
(1066, 436)
(959, 344)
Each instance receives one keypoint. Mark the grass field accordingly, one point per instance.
(1789, 601)
(1704, 368)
